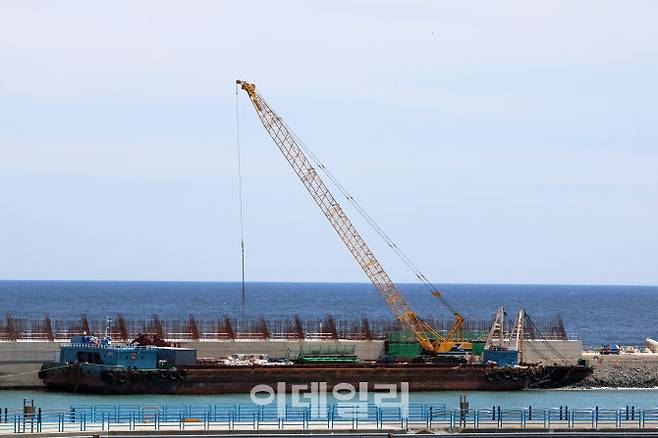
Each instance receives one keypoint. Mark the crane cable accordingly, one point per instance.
(546, 342)
(240, 198)
(532, 347)
(406, 260)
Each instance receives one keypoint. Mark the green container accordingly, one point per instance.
(403, 350)
(400, 337)
(405, 337)
(478, 348)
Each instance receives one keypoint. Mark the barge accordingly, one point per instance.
(91, 365)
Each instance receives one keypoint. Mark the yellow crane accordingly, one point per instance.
(428, 337)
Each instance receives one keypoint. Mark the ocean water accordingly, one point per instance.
(576, 399)
(594, 314)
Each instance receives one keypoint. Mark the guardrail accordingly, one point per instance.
(81, 418)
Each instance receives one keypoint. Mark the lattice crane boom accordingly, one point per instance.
(428, 337)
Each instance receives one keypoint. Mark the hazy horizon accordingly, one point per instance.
(365, 282)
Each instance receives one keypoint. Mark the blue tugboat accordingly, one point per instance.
(92, 364)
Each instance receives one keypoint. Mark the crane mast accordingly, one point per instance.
(429, 338)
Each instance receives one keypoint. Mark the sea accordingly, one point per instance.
(594, 314)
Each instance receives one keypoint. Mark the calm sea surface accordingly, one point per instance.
(577, 399)
(595, 314)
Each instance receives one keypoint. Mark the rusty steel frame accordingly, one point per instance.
(227, 328)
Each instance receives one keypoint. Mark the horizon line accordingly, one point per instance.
(322, 282)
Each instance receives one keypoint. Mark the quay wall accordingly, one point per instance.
(549, 351)
(20, 361)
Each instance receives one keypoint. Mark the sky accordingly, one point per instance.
(495, 142)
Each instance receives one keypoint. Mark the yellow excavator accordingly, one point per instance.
(427, 336)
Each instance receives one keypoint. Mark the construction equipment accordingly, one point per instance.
(496, 335)
(518, 335)
(293, 150)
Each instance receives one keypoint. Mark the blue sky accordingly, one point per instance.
(506, 142)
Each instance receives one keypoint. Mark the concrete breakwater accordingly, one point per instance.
(624, 371)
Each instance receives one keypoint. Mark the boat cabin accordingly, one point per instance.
(89, 349)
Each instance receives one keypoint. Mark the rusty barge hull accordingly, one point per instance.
(242, 379)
